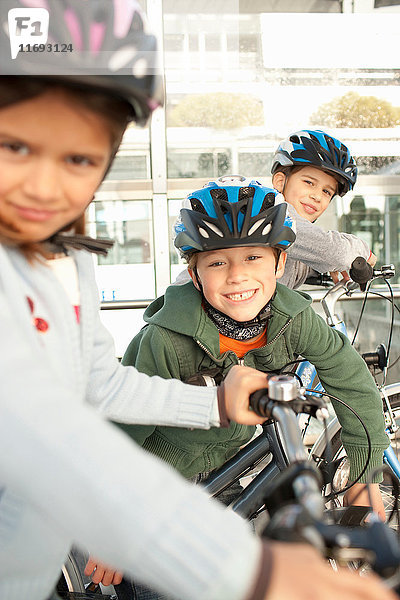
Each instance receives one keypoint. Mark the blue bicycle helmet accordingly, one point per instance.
(230, 212)
(317, 148)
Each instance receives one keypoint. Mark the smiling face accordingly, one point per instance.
(239, 281)
(53, 155)
(309, 190)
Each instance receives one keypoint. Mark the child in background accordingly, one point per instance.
(309, 168)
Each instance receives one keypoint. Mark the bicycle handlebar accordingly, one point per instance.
(374, 542)
(285, 389)
(321, 279)
(360, 272)
(302, 517)
(281, 401)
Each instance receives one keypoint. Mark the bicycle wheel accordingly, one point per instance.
(73, 583)
(71, 579)
(341, 468)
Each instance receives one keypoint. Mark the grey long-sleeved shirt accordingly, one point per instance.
(317, 250)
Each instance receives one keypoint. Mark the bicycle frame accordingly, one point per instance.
(267, 444)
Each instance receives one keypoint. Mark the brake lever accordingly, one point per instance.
(386, 271)
(375, 542)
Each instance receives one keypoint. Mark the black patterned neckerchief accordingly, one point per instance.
(239, 330)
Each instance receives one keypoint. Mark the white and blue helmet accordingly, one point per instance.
(318, 149)
(233, 211)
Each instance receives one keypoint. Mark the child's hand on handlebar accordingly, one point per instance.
(299, 573)
(335, 276)
(371, 260)
(101, 573)
(238, 385)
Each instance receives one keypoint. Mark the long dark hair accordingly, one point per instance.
(115, 111)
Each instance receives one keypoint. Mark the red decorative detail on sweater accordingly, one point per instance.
(40, 324)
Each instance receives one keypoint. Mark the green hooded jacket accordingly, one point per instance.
(180, 340)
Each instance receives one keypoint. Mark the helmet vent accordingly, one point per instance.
(245, 193)
(268, 201)
(256, 225)
(219, 194)
(295, 139)
(267, 229)
(215, 229)
(203, 233)
(197, 206)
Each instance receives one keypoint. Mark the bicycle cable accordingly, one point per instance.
(333, 495)
(394, 306)
(391, 327)
(361, 312)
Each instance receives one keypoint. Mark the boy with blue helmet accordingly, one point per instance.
(310, 167)
(234, 235)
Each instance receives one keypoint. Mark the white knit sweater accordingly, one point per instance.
(66, 475)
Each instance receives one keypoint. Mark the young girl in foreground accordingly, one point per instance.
(63, 469)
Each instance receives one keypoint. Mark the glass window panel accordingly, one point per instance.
(212, 42)
(127, 272)
(365, 221)
(378, 165)
(173, 42)
(189, 164)
(374, 329)
(257, 164)
(193, 42)
(177, 264)
(232, 42)
(248, 43)
(393, 232)
(198, 164)
(376, 220)
(130, 166)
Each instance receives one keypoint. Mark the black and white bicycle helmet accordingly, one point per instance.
(317, 148)
(106, 47)
(230, 212)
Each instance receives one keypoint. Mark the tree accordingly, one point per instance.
(353, 110)
(220, 110)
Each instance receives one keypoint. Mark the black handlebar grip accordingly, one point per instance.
(322, 279)
(361, 272)
(258, 402)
